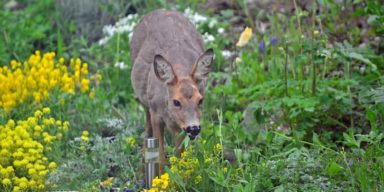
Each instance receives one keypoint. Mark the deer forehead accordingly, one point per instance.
(187, 88)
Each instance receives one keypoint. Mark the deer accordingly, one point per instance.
(169, 75)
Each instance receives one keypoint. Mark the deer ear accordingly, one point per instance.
(163, 69)
(203, 66)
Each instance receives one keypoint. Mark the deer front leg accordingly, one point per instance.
(148, 126)
(158, 132)
(149, 133)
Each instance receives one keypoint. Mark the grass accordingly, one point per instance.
(295, 109)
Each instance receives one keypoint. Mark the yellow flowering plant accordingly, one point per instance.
(24, 144)
(160, 184)
(244, 37)
(35, 79)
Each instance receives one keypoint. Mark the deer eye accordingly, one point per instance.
(201, 101)
(176, 103)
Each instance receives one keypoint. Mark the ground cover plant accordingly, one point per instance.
(295, 101)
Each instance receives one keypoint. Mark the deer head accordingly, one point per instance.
(185, 93)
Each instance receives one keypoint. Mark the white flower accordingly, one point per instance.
(226, 54)
(104, 40)
(112, 122)
(208, 37)
(238, 60)
(220, 30)
(212, 23)
(123, 25)
(120, 65)
(194, 17)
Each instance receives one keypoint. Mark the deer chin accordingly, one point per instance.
(192, 137)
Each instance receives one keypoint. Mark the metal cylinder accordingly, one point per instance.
(151, 158)
(151, 143)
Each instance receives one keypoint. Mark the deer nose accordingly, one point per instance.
(193, 130)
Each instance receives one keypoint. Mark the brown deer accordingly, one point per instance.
(169, 74)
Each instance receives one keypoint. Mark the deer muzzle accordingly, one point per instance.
(193, 131)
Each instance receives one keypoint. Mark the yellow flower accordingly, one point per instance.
(84, 138)
(165, 176)
(6, 181)
(85, 133)
(52, 165)
(92, 94)
(24, 144)
(244, 37)
(37, 77)
(107, 181)
(217, 149)
(131, 141)
(172, 160)
(46, 110)
(16, 189)
(198, 179)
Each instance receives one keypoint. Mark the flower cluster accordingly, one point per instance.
(23, 165)
(124, 25)
(106, 184)
(37, 77)
(185, 166)
(131, 141)
(160, 184)
(85, 136)
(202, 20)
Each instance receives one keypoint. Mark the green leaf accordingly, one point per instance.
(316, 139)
(361, 58)
(60, 44)
(334, 169)
(371, 116)
(350, 141)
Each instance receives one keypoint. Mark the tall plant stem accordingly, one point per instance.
(312, 57)
(286, 69)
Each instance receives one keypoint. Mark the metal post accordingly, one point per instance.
(151, 160)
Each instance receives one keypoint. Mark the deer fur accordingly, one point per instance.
(169, 74)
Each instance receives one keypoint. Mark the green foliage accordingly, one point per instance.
(25, 31)
(300, 112)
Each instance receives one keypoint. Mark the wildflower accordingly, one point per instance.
(194, 17)
(220, 30)
(85, 133)
(226, 54)
(131, 141)
(92, 94)
(238, 60)
(172, 159)
(37, 77)
(52, 165)
(212, 23)
(160, 183)
(6, 181)
(121, 65)
(217, 148)
(262, 47)
(46, 110)
(25, 152)
(273, 41)
(316, 32)
(107, 182)
(123, 25)
(244, 37)
(208, 37)
(198, 179)
(84, 136)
